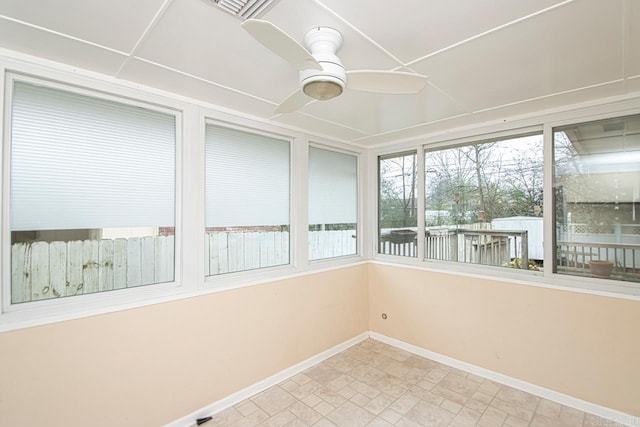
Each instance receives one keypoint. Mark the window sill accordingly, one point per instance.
(35, 313)
(586, 285)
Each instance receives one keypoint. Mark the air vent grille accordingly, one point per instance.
(242, 9)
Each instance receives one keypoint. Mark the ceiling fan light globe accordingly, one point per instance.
(322, 90)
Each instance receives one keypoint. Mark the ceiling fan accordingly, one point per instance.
(322, 75)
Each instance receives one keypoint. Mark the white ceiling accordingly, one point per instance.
(485, 59)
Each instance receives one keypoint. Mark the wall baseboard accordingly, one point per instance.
(227, 402)
(554, 396)
(564, 399)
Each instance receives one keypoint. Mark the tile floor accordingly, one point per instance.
(374, 384)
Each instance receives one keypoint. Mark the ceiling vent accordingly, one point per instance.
(614, 126)
(242, 9)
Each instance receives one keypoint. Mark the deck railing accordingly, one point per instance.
(574, 257)
(486, 247)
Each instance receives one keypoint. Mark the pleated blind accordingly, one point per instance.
(79, 162)
(333, 187)
(247, 179)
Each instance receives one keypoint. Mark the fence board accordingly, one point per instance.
(105, 272)
(207, 254)
(147, 265)
(74, 268)
(171, 258)
(40, 288)
(134, 267)
(90, 267)
(160, 273)
(267, 249)
(223, 250)
(20, 272)
(236, 251)
(120, 263)
(58, 268)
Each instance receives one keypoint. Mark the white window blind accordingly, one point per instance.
(247, 179)
(333, 187)
(79, 162)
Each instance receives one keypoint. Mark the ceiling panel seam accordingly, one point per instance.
(67, 36)
(202, 79)
(492, 30)
(154, 21)
(363, 35)
(537, 98)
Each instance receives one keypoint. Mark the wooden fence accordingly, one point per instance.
(226, 252)
(43, 270)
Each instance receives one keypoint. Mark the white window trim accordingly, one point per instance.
(374, 177)
(37, 312)
(359, 207)
(295, 142)
(189, 260)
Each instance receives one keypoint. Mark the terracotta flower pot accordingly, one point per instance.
(601, 269)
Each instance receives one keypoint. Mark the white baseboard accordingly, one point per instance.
(561, 398)
(227, 402)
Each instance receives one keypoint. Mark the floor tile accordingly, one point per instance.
(379, 403)
(247, 407)
(324, 423)
(427, 414)
(466, 418)
(518, 398)
(274, 400)
(305, 413)
(324, 408)
(489, 388)
(376, 385)
(549, 409)
(390, 415)
(280, 419)
(350, 415)
(492, 417)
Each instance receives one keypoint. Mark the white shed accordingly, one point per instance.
(532, 224)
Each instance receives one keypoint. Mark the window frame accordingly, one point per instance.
(617, 287)
(189, 199)
(35, 312)
(418, 152)
(502, 136)
(360, 236)
(542, 122)
(231, 278)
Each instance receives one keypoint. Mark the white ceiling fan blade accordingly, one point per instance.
(295, 101)
(391, 82)
(281, 44)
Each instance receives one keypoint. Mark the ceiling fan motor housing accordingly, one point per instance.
(323, 43)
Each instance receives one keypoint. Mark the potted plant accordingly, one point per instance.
(600, 269)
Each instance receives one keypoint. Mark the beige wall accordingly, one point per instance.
(582, 345)
(152, 365)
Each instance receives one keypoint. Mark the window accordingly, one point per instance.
(483, 203)
(397, 204)
(92, 193)
(247, 201)
(596, 185)
(333, 203)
